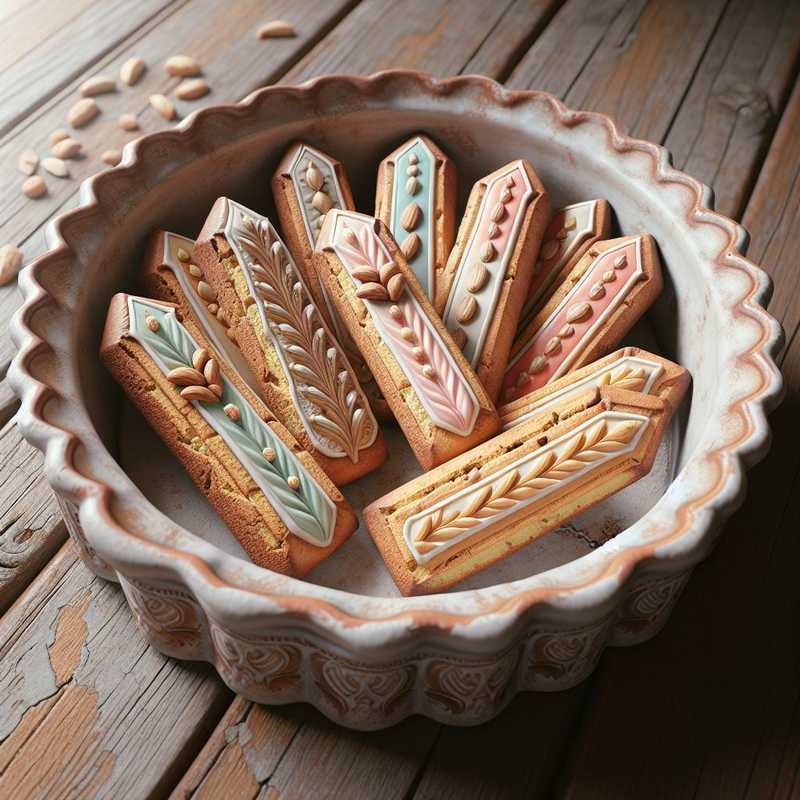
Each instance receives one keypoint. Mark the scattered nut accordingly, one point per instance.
(58, 135)
(132, 70)
(294, 482)
(111, 157)
(162, 105)
(411, 216)
(191, 90)
(206, 292)
(467, 309)
(66, 148)
(10, 262)
(152, 323)
(269, 454)
(275, 29)
(128, 122)
(34, 187)
(232, 412)
(182, 66)
(183, 254)
(55, 166)
(83, 112)
(410, 246)
(27, 162)
(100, 84)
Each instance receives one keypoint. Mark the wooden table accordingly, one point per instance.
(707, 709)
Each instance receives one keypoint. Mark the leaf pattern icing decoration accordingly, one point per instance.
(454, 521)
(332, 406)
(308, 512)
(406, 329)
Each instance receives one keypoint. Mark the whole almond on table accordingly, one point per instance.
(83, 112)
(27, 162)
(111, 157)
(34, 187)
(162, 105)
(275, 29)
(129, 122)
(10, 262)
(67, 148)
(132, 70)
(191, 90)
(55, 166)
(182, 66)
(99, 84)
(57, 136)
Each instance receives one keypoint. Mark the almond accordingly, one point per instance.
(552, 346)
(55, 166)
(412, 186)
(322, 202)
(27, 162)
(579, 312)
(498, 212)
(191, 90)
(411, 216)
(162, 105)
(410, 246)
(67, 148)
(487, 252)
(275, 29)
(128, 122)
(186, 376)
(314, 177)
(10, 262)
(111, 157)
(467, 309)
(372, 291)
(597, 291)
(82, 113)
(537, 365)
(199, 358)
(293, 482)
(385, 271)
(365, 274)
(206, 292)
(459, 337)
(233, 413)
(182, 66)
(199, 393)
(34, 187)
(396, 286)
(477, 277)
(100, 84)
(132, 70)
(58, 135)
(211, 371)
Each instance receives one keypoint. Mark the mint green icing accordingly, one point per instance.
(307, 511)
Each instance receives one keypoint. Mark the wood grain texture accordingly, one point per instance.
(725, 122)
(31, 528)
(87, 708)
(77, 38)
(235, 62)
(724, 722)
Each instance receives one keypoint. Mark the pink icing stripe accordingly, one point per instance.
(614, 292)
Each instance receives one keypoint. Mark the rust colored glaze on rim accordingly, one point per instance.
(746, 446)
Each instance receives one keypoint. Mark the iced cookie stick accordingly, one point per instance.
(434, 393)
(458, 519)
(303, 374)
(591, 310)
(571, 232)
(305, 186)
(629, 368)
(487, 275)
(273, 496)
(416, 199)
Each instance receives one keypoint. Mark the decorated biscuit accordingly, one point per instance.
(434, 393)
(628, 368)
(456, 520)
(571, 232)
(416, 199)
(273, 496)
(306, 185)
(590, 311)
(488, 272)
(302, 371)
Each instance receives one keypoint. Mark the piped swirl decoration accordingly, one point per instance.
(404, 326)
(300, 502)
(554, 347)
(482, 269)
(334, 411)
(453, 522)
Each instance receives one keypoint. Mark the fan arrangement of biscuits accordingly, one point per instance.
(266, 360)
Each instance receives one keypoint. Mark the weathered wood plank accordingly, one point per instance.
(724, 124)
(87, 708)
(31, 528)
(709, 708)
(235, 62)
(73, 43)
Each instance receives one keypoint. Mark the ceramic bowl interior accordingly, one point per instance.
(681, 326)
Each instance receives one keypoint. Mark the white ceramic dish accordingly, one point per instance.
(344, 640)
